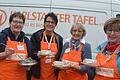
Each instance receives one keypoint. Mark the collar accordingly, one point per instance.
(12, 36)
(68, 40)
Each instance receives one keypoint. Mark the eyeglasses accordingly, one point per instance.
(115, 31)
(16, 22)
(48, 22)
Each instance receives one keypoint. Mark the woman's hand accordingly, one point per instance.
(90, 63)
(6, 53)
(9, 51)
(65, 67)
(75, 67)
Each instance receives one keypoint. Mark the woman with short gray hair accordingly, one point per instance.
(75, 50)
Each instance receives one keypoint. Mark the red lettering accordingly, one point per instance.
(29, 17)
(34, 15)
(79, 20)
(95, 21)
(62, 18)
(39, 13)
(43, 16)
(85, 19)
(67, 18)
(74, 18)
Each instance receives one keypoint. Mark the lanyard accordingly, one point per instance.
(49, 43)
(109, 56)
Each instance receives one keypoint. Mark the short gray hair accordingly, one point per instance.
(80, 26)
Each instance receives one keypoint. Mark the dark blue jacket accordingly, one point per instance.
(7, 32)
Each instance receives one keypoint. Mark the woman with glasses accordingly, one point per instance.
(108, 58)
(14, 46)
(46, 41)
(75, 50)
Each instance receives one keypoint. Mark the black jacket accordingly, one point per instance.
(35, 41)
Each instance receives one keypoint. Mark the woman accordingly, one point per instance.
(108, 58)
(46, 40)
(107, 63)
(14, 46)
(75, 50)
